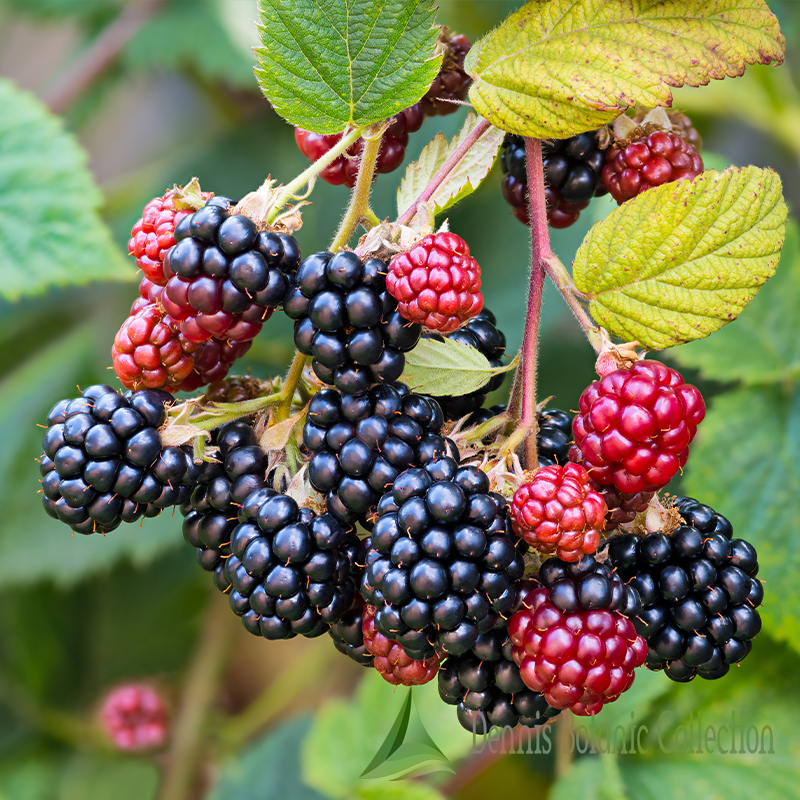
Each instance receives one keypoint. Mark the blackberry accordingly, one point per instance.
(486, 686)
(225, 277)
(554, 437)
(210, 514)
(699, 593)
(452, 83)
(572, 640)
(572, 170)
(482, 334)
(443, 560)
(348, 634)
(348, 322)
(291, 571)
(360, 443)
(104, 463)
(135, 718)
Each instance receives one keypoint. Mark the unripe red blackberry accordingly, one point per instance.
(390, 659)
(149, 352)
(225, 277)
(635, 426)
(346, 319)
(436, 283)
(556, 511)
(571, 640)
(452, 83)
(152, 235)
(572, 169)
(699, 593)
(135, 718)
(486, 686)
(657, 158)
(104, 462)
(212, 360)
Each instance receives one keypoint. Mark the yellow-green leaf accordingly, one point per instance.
(557, 68)
(462, 180)
(681, 260)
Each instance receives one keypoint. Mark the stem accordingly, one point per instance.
(359, 200)
(564, 283)
(290, 386)
(371, 217)
(101, 53)
(199, 691)
(445, 170)
(310, 173)
(564, 751)
(525, 388)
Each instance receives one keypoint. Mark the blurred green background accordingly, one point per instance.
(176, 98)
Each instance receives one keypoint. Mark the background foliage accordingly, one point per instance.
(78, 615)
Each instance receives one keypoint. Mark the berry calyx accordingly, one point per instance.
(436, 283)
(135, 718)
(390, 659)
(558, 512)
(571, 640)
(658, 158)
(635, 425)
(699, 593)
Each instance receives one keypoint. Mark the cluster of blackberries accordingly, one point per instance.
(348, 322)
(348, 634)
(480, 332)
(359, 444)
(442, 561)
(486, 685)
(286, 570)
(448, 88)
(699, 593)
(103, 461)
(572, 171)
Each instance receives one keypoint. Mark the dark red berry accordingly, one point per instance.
(452, 83)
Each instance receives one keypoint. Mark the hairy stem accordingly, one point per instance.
(524, 392)
(359, 200)
(101, 53)
(306, 176)
(445, 170)
(564, 283)
(290, 386)
(199, 691)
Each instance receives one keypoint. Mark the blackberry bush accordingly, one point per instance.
(699, 593)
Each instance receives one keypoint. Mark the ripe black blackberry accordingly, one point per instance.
(486, 686)
(348, 322)
(210, 514)
(572, 169)
(292, 572)
(104, 463)
(360, 443)
(699, 593)
(481, 333)
(443, 559)
(348, 634)
(225, 277)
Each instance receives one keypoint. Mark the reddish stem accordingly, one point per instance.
(540, 247)
(445, 170)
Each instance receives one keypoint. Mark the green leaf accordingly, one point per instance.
(269, 769)
(98, 778)
(554, 69)
(593, 778)
(764, 344)
(461, 181)
(327, 64)
(348, 733)
(448, 368)
(681, 260)
(745, 463)
(50, 231)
